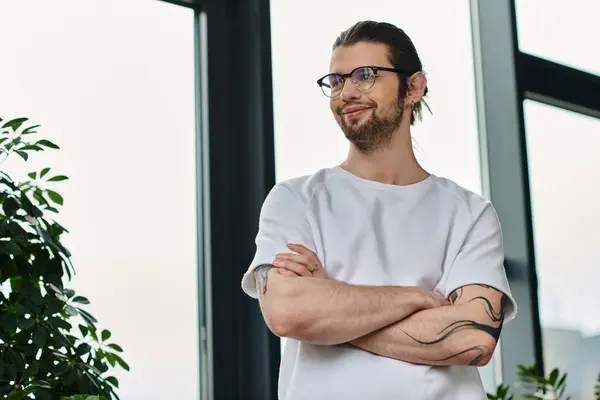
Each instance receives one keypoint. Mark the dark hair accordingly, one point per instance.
(402, 52)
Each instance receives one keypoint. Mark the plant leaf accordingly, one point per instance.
(54, 288)
(113, 381)
(40, 336)
(23, 155)
(87, 315)
(84, 330)
(10, 248)
(55, 197)
(11, 206)
(111, 359)
(30, 130)
(58, 178)
(14, 123)
(115, 347)
(553, 376)
(562, 380)
(121, 362)
(17, 395)
(44, 172)
(105, 335)
(70, 310)
(80, 300)
(82, 349)
(32, 175)
(47, 143)
(25, 324)
(31, 147)
(20, 309)
(42, 384)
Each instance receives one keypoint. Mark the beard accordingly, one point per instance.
(376, 132)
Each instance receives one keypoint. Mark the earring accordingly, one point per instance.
(412, 105)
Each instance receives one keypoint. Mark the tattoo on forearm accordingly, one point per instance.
(456, 295)
(261, 276)
(482, 352)
(493, 328)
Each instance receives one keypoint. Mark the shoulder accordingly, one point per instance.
(303, 188)
(466, 200)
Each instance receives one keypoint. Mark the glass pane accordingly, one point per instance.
(564, 174)
(566, 33)
(446, 142)
(112, 82)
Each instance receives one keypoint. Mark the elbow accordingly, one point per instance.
(280, 322)
(281, 316)
(481, 353)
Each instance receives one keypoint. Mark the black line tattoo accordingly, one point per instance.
(495, 316)
(261, 276)
(456, 295)
(482, 351)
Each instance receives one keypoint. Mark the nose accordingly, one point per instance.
(349, 91)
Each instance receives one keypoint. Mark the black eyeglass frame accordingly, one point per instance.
(349, 75)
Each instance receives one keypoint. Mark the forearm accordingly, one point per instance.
(439, 336)
(325, 311)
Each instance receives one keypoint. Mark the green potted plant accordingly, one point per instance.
(42, 354)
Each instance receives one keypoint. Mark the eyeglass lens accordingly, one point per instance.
(362, 78)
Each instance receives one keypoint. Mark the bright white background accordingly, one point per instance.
(565, 189)
(111, 82)
(564, 32)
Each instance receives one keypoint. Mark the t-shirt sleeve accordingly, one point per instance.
(282, 221)
(481, 258)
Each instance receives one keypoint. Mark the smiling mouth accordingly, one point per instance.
(357, 113)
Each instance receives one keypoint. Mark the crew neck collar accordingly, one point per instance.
(413, 187)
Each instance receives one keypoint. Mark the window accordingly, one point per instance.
(562, 32)
(112, 83)
(565, 186)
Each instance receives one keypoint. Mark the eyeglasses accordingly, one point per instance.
(363, 79)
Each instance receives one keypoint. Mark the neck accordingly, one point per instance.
(394, 164)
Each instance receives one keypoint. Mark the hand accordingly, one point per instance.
(431, 299)
(300, 264)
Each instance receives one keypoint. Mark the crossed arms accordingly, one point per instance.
(405, 323)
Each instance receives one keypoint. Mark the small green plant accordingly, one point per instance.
(502, 393)
(536, 386)
(84, 397)
(540, 387)
(42, 356)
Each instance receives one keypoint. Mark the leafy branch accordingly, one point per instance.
(41, 354)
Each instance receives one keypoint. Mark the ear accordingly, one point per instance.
(417, 83)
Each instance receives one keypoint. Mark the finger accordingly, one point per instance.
(298, 248)
(297, 258)
(287, 272)
(292, 266)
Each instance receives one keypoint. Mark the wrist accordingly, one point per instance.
(419, 298)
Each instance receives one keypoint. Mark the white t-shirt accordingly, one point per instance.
(433, 234)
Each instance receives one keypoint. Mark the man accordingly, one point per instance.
(388, 281)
